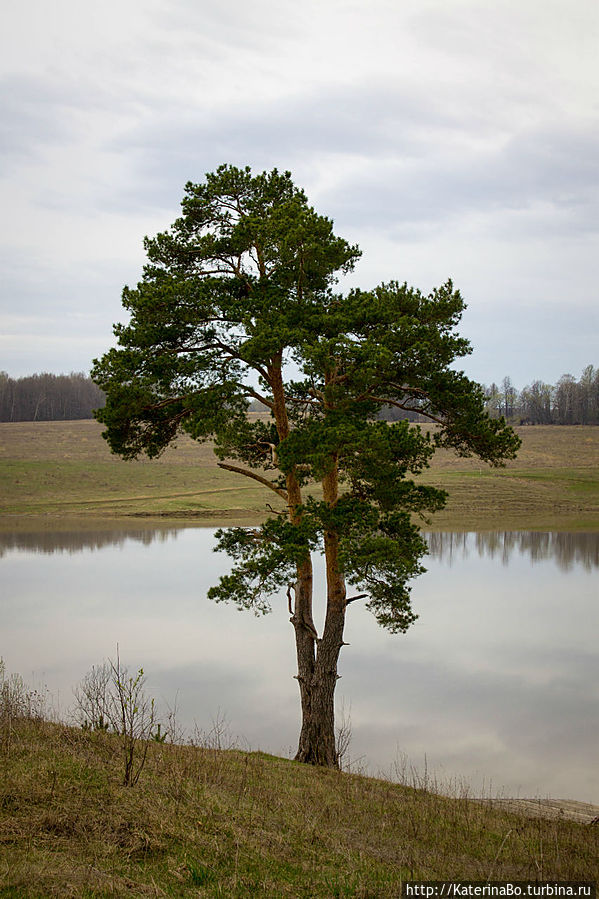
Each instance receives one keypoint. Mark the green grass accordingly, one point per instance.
(208, 822)
(205, 822)
(73, 486)
(65, 468)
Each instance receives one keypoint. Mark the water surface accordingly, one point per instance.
(495, 683)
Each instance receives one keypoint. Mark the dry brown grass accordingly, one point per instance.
(66, 468)
(207, 822)
(552, 485)
(61, 468)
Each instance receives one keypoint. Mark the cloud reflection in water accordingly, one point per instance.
(496, 681)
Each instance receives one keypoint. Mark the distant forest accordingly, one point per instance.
(569, 402)
(47, 397)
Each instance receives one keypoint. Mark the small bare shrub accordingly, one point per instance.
(17, 700)
(173, 729)
(218, 737)
(109, 698)
(93, 706)
(344, 737)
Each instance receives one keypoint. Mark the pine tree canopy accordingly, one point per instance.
(239, 302)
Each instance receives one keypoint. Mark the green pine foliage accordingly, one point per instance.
(238, 303)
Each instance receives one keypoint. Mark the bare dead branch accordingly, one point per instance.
(417, 391)
(256, 477)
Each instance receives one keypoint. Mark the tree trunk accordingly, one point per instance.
(316, 659)
(317, 680)
(317, 671)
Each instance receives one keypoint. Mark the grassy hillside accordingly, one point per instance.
(66, 468)
(206, 822)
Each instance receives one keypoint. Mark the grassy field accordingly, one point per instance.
(65, 468)
(204, 821)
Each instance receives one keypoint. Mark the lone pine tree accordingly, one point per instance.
(236, 304)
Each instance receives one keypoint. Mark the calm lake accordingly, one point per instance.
(496, 683)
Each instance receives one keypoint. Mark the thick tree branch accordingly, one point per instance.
(233, 207)
(302, 401)
(260, 260)
(230, 270)
(415, 390)
(353, 598)
(227, 354)
(419, 411)
(168, 402)
(261, 399)
(256, 477)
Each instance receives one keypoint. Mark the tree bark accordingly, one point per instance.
(316, 658)
(317, 680)
(317, 743)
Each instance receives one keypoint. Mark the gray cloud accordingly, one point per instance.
(543, 168)
(456, 141)
(33, 118)
(411, 163)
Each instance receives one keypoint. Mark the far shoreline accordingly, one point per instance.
(84, 521)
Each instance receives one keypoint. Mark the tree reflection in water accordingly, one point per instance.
(84, 539)
(564, 548)
(495, 680)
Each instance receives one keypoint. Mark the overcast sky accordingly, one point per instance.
(449, 138)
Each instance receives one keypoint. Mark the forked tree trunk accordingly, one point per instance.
(317, 659)
(317, 676)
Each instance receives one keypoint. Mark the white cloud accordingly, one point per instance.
(447, 138)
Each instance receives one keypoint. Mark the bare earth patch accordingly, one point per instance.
(552, 809)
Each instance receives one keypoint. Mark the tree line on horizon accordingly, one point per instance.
(50, 397)
(569, 402)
